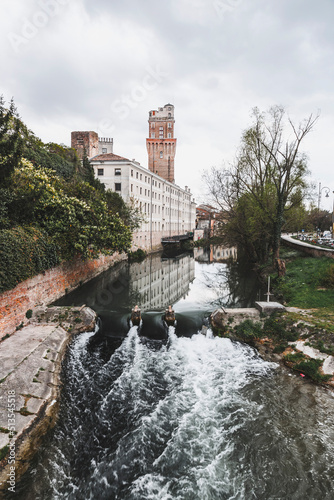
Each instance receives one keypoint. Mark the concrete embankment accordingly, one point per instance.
(30, 364)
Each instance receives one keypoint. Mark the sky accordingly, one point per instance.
(102, 65)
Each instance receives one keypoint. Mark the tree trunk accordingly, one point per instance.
(278, 227)
(280, 266)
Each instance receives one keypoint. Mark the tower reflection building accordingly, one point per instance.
(157, 283)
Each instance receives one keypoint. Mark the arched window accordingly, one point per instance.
(161, 154)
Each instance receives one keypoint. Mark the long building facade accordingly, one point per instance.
(167, 209)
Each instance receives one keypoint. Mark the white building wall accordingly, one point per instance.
(106, 145)
(168, 209)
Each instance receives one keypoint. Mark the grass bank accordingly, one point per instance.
(308, 283)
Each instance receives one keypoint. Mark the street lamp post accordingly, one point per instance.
(319, 195)
(333, 219)
(319, 199)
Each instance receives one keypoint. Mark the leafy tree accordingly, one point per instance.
(61, 159)
(128, 212)
(11, 142)
(297, 218)
(6, 198)
(87, 174)
(75, 215)
(319, 219)
(266, 181)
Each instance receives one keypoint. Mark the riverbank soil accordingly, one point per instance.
(30, 364)
(301, 339)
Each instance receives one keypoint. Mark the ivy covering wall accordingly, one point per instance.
(24, 252)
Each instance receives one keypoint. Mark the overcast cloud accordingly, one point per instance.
(103, 65)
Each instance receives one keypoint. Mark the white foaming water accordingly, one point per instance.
(188, 432)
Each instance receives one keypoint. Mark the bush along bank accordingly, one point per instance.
(24, 253)
(297, 338)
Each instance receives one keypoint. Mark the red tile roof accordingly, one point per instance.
(108, 157)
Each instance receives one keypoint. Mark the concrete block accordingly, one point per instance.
(269, 307)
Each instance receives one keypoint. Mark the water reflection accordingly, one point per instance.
(158, 282)
(215, 253)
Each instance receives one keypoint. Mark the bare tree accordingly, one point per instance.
(267, 177)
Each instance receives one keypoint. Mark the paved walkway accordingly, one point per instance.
(289, 238)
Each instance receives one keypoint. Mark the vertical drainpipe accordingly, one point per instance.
(151, 210)
(151, 204)
(150, 281)
(178, 212)
(170, 211)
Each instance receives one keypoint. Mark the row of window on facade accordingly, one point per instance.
(100, 171)
(163, 226)
(169, 125)
(147, 179)
(145, 208)
(154, 182)
(156, 196)
(139, 176)
(161, 135)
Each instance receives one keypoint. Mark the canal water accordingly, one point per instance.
(161, 413)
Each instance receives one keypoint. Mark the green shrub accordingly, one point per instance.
(320, 345)
(248, 329)
(29, 313)
(137, 256)
(311, 368)
(274, 326)
(3, 452)
(295, 357)
(308, 366)
(24, 252)
(280, 348)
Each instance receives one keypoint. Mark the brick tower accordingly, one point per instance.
(161, 144)
(85, 141)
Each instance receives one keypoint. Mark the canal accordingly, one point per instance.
(175, 413)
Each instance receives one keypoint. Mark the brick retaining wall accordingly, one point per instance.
(48, 287)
